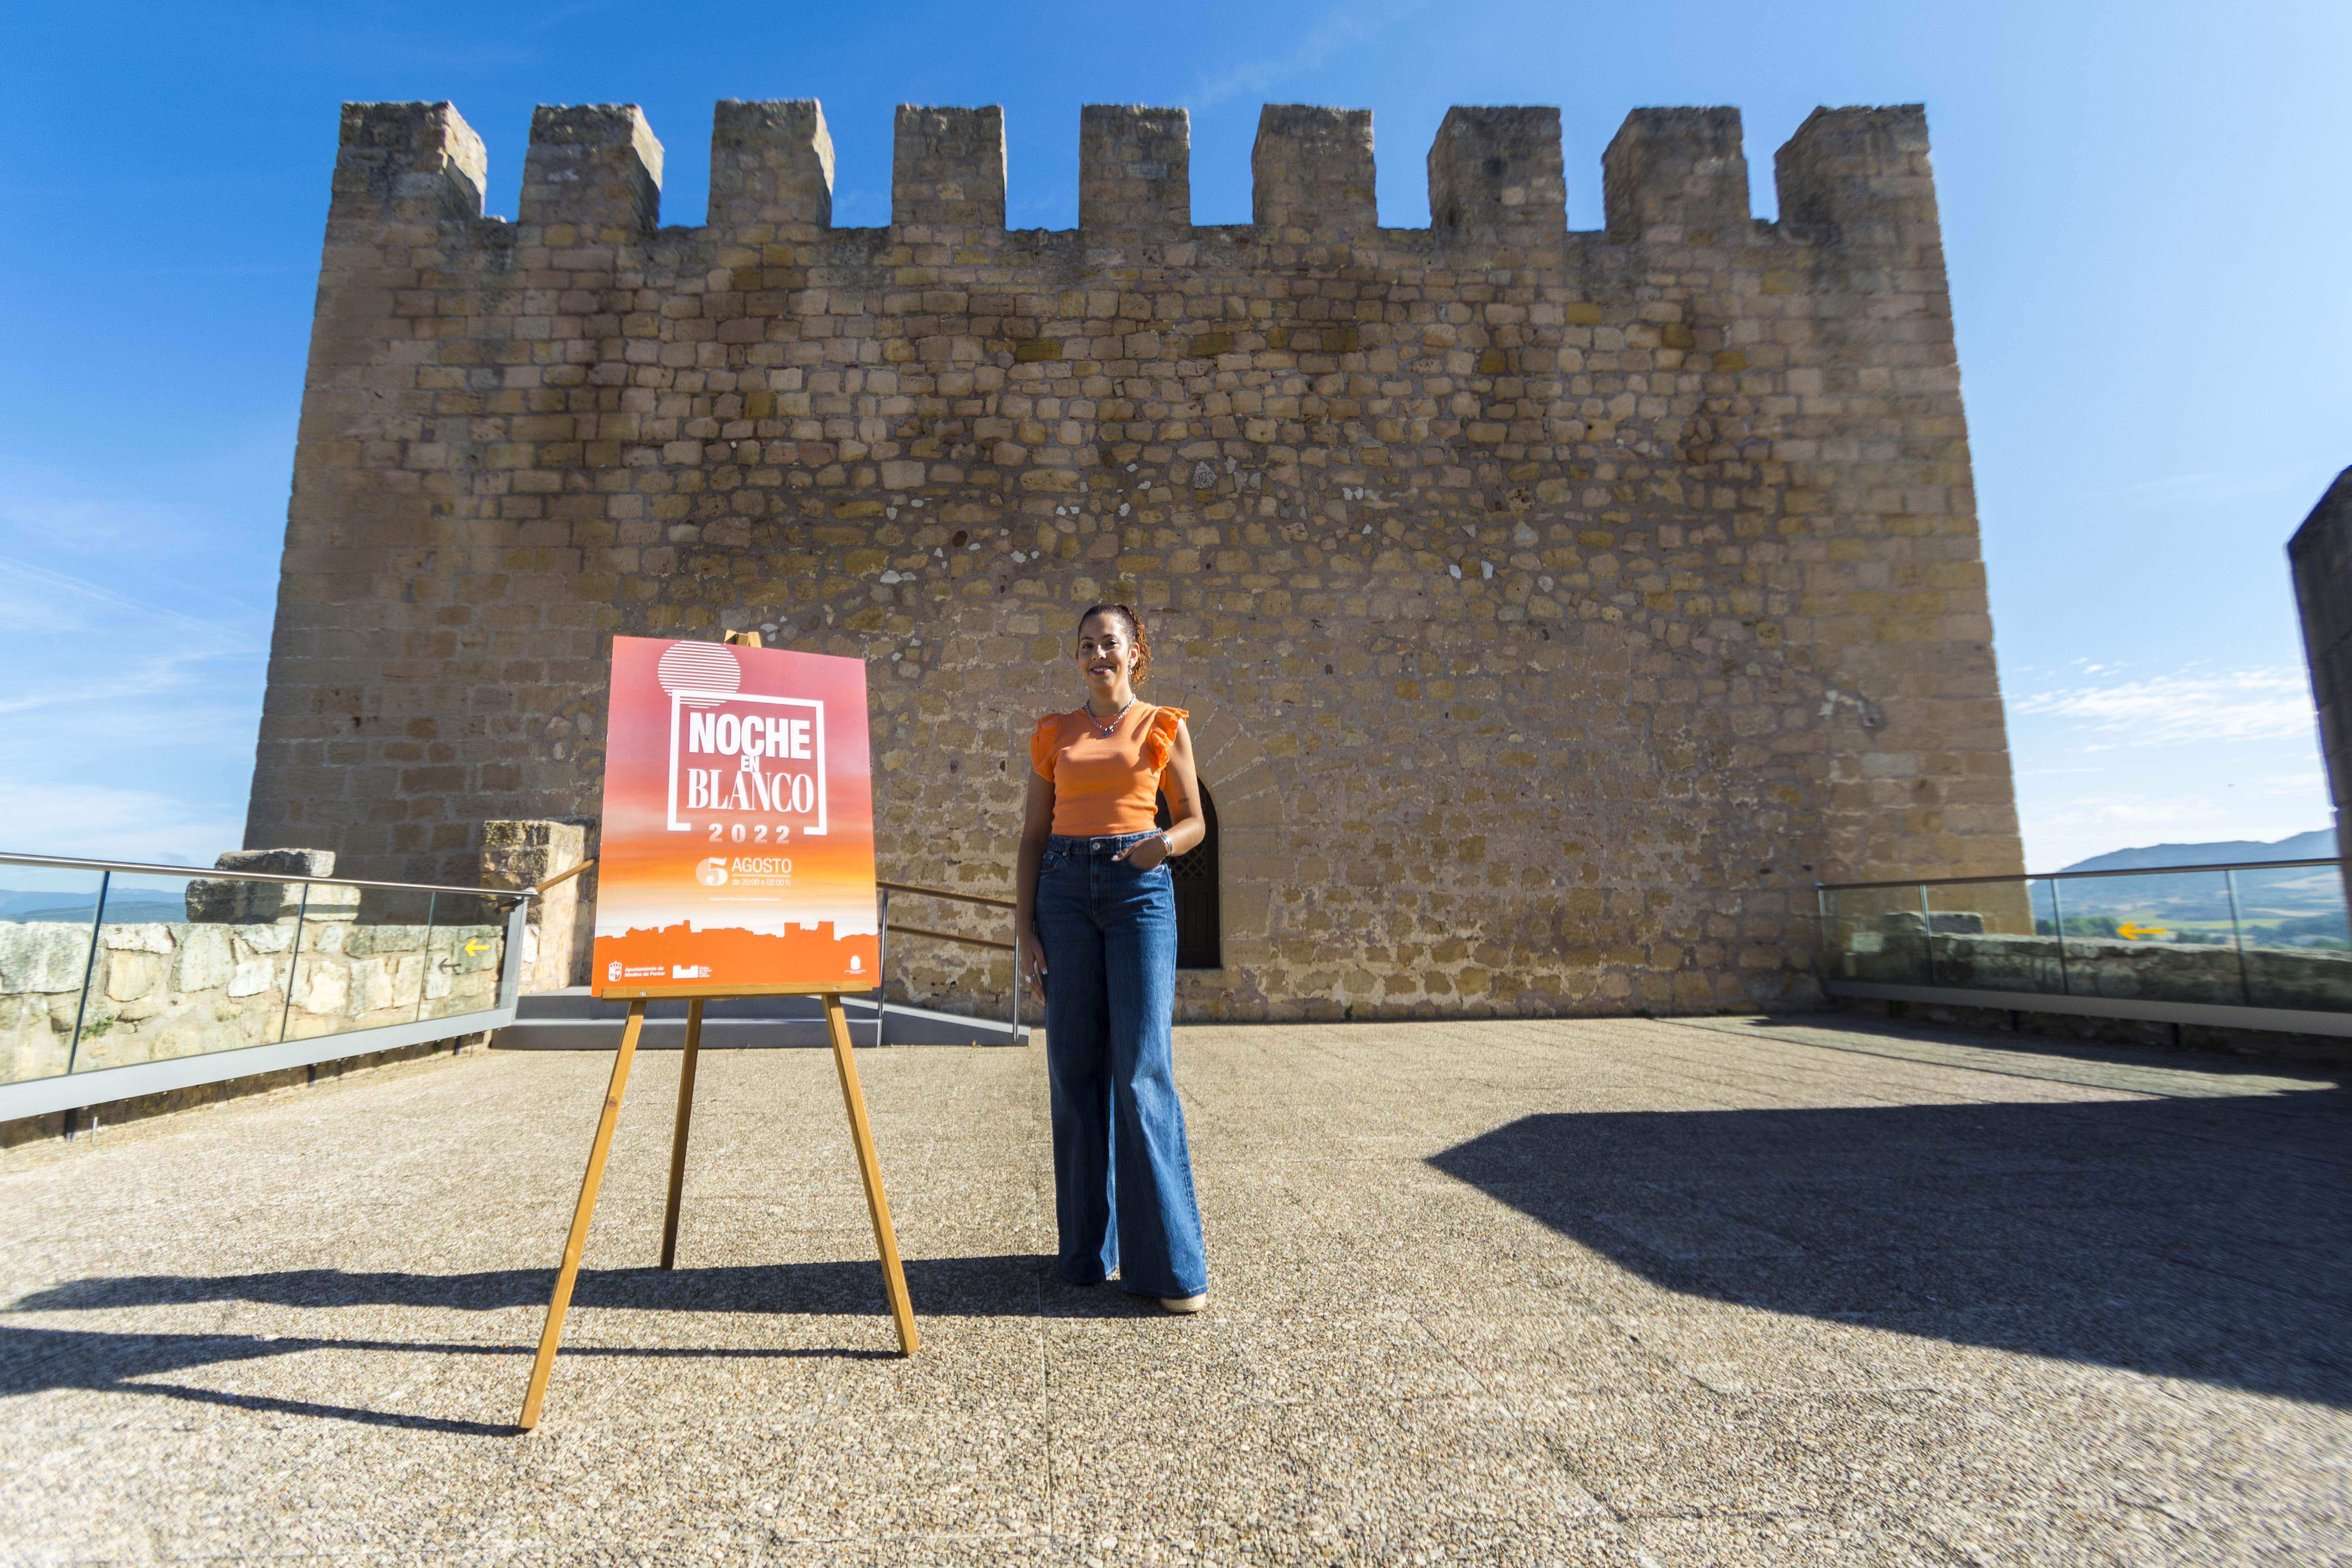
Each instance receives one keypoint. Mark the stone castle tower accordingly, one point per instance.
(1554, 605)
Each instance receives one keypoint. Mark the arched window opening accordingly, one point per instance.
(1194, 874)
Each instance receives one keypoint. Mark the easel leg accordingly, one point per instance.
(893, 1277)
(577, 1241)
(677, 1139)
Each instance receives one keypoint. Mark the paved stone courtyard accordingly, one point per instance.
(1805, 1290)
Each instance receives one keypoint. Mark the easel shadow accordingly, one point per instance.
(1007, 1285)
(37, 1361)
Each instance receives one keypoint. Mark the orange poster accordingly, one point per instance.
(738, 822)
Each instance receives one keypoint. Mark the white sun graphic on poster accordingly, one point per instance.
(699, 667)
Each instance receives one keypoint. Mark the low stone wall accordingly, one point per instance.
(161, 990)
(2318, 979)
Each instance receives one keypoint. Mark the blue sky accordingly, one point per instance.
(2146, 211)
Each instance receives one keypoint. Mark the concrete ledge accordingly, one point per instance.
(71, 1091)
(573, 1020)
(2276, 1020)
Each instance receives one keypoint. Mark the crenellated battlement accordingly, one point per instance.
(1557, 593)
(1496, 175)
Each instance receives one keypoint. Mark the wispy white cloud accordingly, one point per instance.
(1341, 27)
(52, 503)
(130, 710)
(78, 519)
(386, 34)
(99, 644)
(2176, 708)
(2305, 476)
(2113, 753)
(2302, 786)
(24, 583)
(96, 823)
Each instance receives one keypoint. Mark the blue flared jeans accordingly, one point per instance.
(1122, 1177)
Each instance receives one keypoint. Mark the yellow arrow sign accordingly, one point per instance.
(477, 945)
(2135, 931)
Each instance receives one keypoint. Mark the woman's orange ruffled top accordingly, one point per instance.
(1104, 785)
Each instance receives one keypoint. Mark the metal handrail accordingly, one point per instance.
(881, 983)
(943, 893)
(2072, 876)
(951, 936)
(214, 874)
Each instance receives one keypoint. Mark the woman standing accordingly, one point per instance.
(1097, 944)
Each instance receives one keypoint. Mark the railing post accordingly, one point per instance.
(882, 969)
(294, 960)
(1927, 933)
(89, 969)
(510, 960)
(2058, 924)
(2238, 936)
(424, 973)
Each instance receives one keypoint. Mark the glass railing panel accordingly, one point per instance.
(187, 965)
(2298, 952)
(2165, 936)
(1875, 935)
(464, 951)
(363, 960)
(2042, 898)
(47, 918)
(1982, 936)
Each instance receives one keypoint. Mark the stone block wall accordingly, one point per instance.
(1554, 604)
(558, 935)
(165, 989)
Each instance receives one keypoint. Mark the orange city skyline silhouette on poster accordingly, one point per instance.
(737, 843)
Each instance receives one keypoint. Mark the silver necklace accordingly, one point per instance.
(1103, 727)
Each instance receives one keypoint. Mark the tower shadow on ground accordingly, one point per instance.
(2203, 1238)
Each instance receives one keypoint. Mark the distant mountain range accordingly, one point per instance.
(2318, 844)
(2312, 894)
(130, 909)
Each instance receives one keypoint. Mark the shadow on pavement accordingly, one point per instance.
(2207, 1238)
(34, 1361)
(1006, 1285)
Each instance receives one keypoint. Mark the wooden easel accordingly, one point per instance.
(861, 1134)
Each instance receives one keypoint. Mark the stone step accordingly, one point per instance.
(573, 1020)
